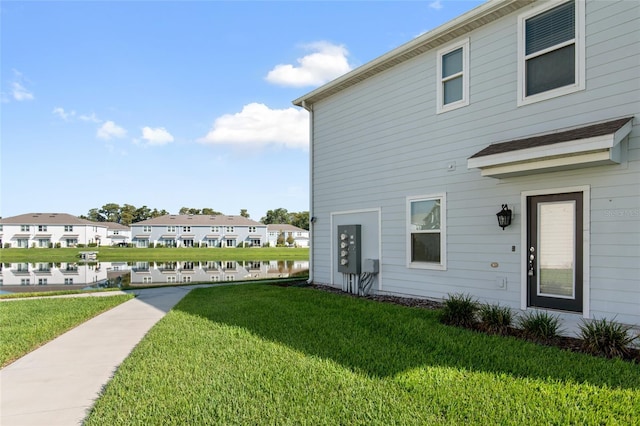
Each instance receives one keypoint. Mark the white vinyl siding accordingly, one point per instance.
(551, 51)
(453, 76)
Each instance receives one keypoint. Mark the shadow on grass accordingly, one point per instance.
(383, 340)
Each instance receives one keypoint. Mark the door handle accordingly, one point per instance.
(532, 270)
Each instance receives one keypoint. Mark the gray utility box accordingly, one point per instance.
(349, 249)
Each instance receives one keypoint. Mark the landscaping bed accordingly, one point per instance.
(572, 344)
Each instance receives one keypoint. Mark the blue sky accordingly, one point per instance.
(177, 104)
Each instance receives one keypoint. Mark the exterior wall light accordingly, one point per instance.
(504, 217)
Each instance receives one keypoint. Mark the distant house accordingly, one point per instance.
(198, 231)
(50, 230)
(525, 108)
(292, 235)
(118, 234)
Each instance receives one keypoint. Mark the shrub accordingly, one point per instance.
(151, 245)
(7, 245)
(459, 310)
(606, 338)
(540, 325)
(58, 245)
(495, 318)
(80, 245)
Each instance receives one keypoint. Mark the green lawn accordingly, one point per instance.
(263, 354)
(153, 254)
(28, 324)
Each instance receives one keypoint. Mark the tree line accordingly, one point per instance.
(128, 214)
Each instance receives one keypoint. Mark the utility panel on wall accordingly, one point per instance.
(349, 249)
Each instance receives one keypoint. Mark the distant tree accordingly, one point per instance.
(210, 211)
(243, 213)
(141, 213)
(301, 220)
(94, 215)
(111, 212)
(127, 213)
(187, 210)
(276, 216)
(158, 213)
(290, 239)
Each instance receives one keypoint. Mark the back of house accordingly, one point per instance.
(521, 111)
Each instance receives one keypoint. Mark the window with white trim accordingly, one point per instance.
(24, 228)
(551, 51)
(426, 232)
(146, 228)
(453, 76)
(68, 228)
(42, 228)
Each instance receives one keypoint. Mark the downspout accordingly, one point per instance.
(312, 218)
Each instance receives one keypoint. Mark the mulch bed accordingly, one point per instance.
(563, 342)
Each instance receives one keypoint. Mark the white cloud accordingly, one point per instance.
(90, 118)
(257, 124)
(437, 5)
(327, 62)
(60, 112)
(20, 93)
(111, 130)
(157, 136)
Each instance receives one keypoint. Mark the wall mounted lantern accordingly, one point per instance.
(504, 217)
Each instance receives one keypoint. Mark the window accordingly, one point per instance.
(116, 232)
(171, 279)
(24, 228)
(231, 243)
(146, 280)
(215, 229)
(252, 229)
(551, 51)
(68, 281)
(171, 229)
(146, 229)
(42, 281)
(25, 281)
(68, 228)
(453, 76)
(43, 242)
(212, 243)
(42, 228)
(23, 243)
(229, 229)
(255, 242)
(186, 229)
(426, 237)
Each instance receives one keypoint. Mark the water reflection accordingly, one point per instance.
(43, 276)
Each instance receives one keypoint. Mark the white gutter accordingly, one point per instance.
(312, 218)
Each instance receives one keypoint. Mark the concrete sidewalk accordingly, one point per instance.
(58, 383)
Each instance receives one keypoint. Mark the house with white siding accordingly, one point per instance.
(118, 234)
(198, 231)
(291, 235)
(43, 230)
(521, 111)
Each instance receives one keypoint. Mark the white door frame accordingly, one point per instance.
(586, 241)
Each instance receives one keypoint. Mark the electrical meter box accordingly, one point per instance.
(349, 249)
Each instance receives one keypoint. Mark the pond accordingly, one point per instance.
(43, 276)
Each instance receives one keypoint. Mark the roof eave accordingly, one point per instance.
(475, 18)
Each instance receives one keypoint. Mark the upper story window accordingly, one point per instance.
(42, 228)
(426, 236)
(229, 229)
(551, 51)
(453, 76)
(171, 229)
(215, 229)
(146, 229)
(68, 228)
(252, 229)
(116, 232)
(24, 228)
(186, 229)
